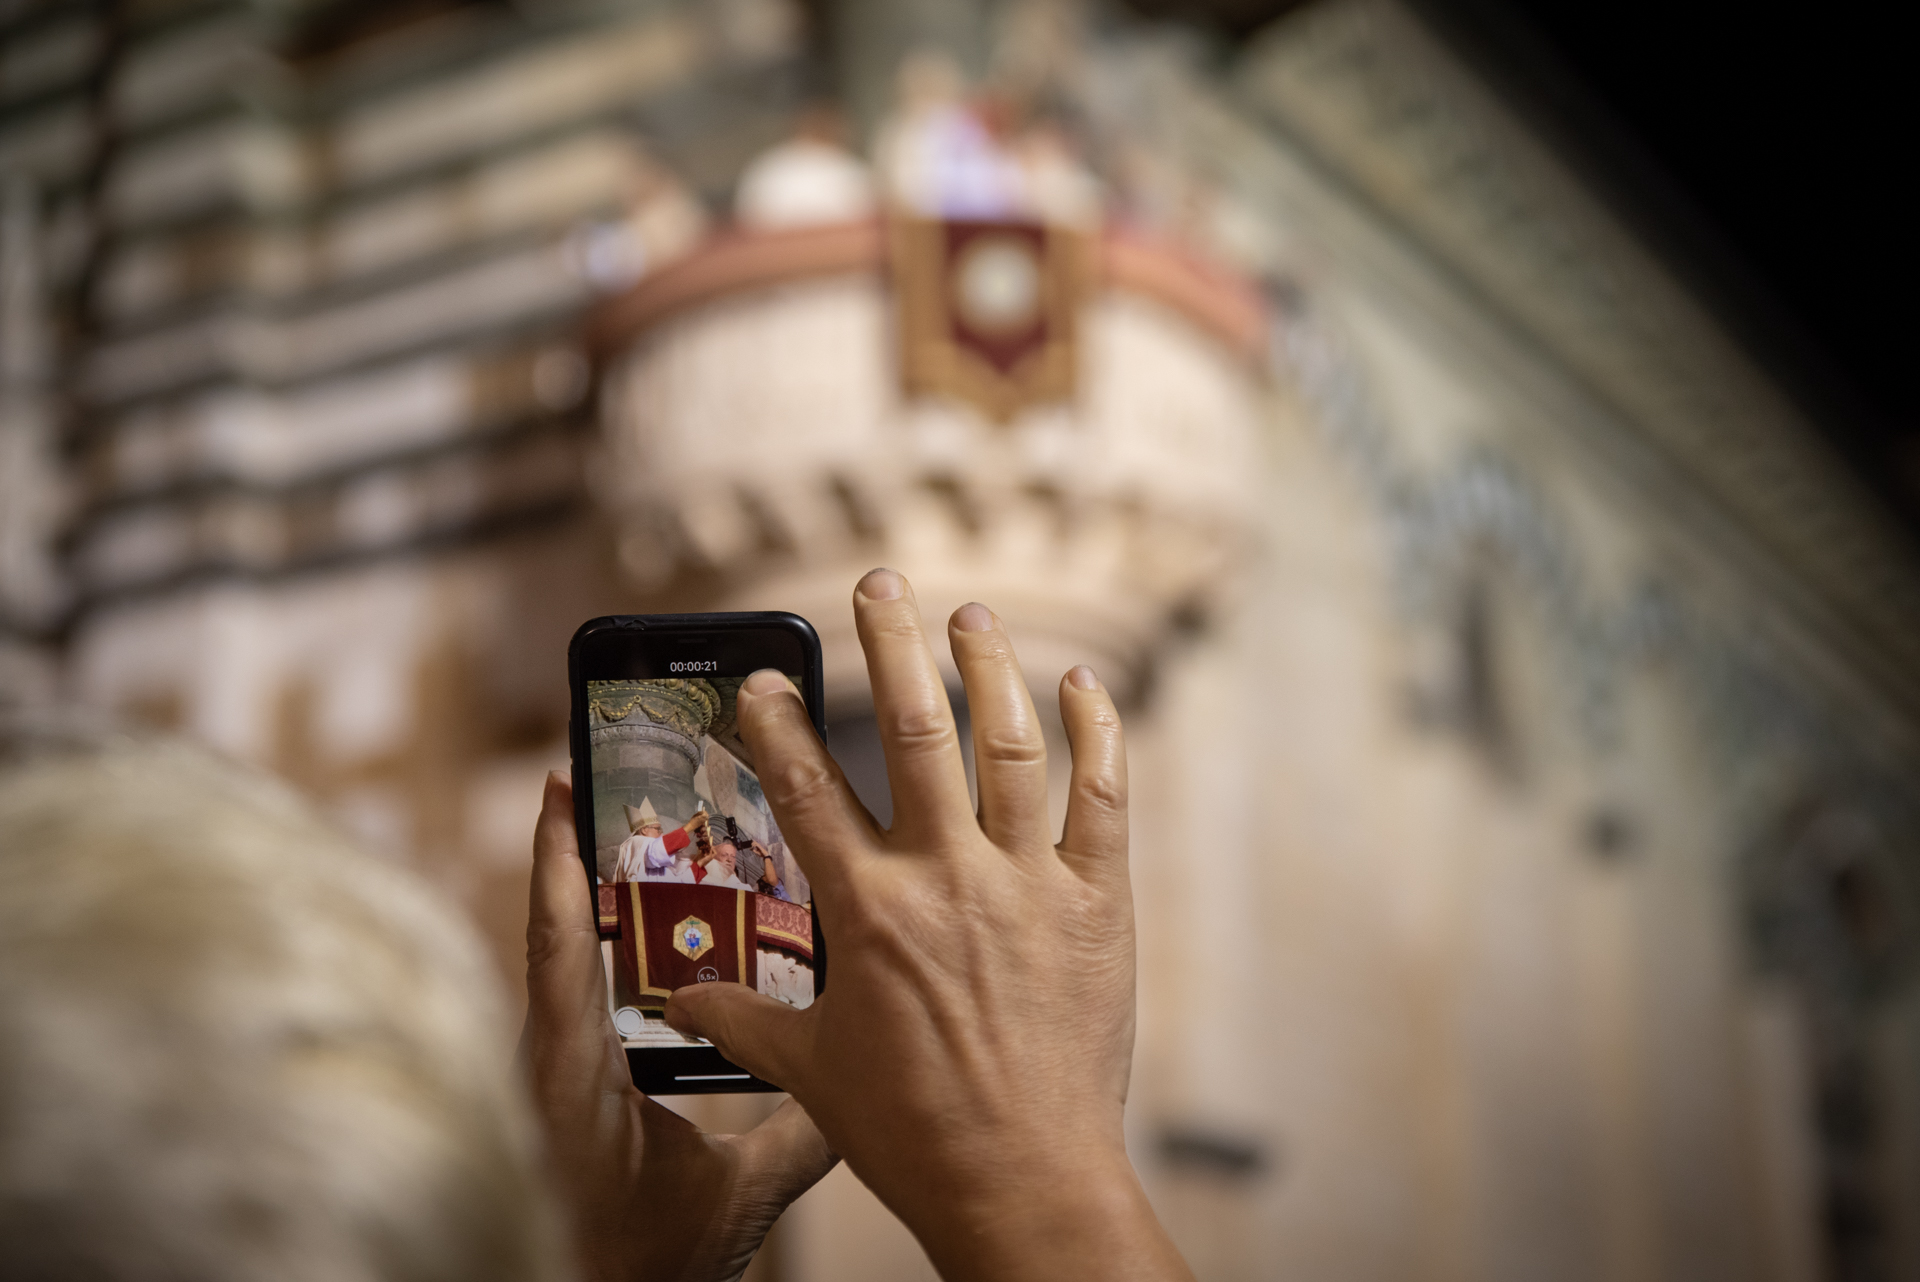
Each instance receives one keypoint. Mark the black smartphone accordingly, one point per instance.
(694, 881)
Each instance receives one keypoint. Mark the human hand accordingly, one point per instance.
(970, 1057)
(650, 1195)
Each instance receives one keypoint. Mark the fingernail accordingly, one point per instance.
(881, 585)
(1082, 678)
(558, 776)
(973, 617)
(765, 681)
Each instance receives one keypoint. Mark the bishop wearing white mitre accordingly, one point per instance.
(646, 854)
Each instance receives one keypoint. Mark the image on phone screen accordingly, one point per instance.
(696, 884)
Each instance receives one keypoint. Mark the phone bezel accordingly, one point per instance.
(624, 646)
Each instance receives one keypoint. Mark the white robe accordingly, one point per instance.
(641, 857)
(720, 879)
(681, 869)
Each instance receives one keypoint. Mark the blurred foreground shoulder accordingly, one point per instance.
(232, 1045)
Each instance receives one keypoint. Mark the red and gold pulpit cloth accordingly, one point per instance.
(779, 924)
(673, 934)
(668, 934)
(988, 310)
(609, 902)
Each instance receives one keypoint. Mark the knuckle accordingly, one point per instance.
(721, 1020)
(546, 944)
(922, 729)
(1009, 746)
(542, 946)
(1102, 792)
(803, 784)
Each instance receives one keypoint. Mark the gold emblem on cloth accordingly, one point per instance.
(693, 938)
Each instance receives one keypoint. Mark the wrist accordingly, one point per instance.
(1084, 1216)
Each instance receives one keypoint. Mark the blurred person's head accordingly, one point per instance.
(929, 78)
(232, 1046)
(643, 819)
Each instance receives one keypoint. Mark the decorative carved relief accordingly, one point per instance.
(688, 707)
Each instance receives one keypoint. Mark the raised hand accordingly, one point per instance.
(970, 1055)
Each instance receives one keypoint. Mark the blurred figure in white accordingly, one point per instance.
(809, 180)
(662, 221)
(1056, 186)
(936, 157)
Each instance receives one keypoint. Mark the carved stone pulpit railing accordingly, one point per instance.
(1072, 435)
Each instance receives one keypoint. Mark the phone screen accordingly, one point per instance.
(694, 879)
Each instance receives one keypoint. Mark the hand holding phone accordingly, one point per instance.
(647, 1193)
(971, 1058)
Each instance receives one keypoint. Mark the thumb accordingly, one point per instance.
(760, 1034)
(566, 984)
(789, 1149)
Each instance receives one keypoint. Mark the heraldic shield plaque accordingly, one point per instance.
(988, 310)
(693, 938)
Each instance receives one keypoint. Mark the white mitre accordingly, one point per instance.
(641, 815)
(801, 183)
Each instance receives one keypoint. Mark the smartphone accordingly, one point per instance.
(693, 879)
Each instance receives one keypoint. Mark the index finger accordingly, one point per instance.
(820, 818)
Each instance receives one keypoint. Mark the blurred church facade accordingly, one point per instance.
(1522, 702)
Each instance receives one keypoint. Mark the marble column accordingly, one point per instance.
(646, 743)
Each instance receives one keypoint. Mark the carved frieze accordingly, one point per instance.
(688, 708)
